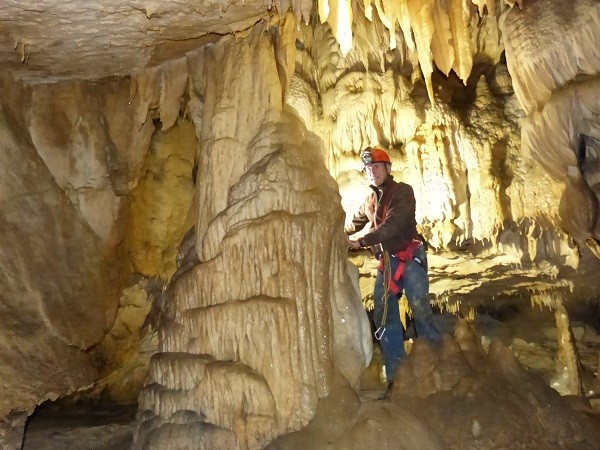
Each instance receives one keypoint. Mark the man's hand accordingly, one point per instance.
(352, 243)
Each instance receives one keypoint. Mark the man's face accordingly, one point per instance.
(376, 173)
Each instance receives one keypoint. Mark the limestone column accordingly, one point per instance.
(256, 331)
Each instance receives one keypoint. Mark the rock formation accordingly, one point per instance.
(253, 333)
(174, 179)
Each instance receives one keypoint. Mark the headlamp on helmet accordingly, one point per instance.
(367, 156)
(374, 155)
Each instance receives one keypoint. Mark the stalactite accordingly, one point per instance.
(483, 4)
(459, 15)
(442, 41)
(339, 15)
(173, 83)
(323, 10)
(403, 16)
(422, 24)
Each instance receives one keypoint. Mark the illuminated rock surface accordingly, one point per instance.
(174, 177)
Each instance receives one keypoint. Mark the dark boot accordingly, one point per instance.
(386, 395)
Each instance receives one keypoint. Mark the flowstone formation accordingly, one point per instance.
(254, 335)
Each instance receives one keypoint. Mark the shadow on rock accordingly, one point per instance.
(475, 399)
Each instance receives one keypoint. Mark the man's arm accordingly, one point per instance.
(359, 221)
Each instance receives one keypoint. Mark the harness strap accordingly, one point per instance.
(386, 293)
(403, 256)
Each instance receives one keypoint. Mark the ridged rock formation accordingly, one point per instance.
(254, 333)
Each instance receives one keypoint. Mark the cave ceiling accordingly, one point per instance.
(52, 39)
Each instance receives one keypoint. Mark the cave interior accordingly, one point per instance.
(174, 182)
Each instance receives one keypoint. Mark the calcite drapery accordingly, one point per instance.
(553, 66)
(552, 137)
(548, 44)
(257, 329)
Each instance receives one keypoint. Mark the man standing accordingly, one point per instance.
(394, 240)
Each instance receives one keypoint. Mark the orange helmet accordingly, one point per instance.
(374, 155)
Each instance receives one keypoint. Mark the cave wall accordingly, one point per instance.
(96, 202)
(57, 282)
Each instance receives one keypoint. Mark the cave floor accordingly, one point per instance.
(54, 426)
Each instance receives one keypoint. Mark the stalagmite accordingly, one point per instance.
(257, 332)
(568, 359)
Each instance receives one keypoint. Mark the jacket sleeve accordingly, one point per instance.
(359, 221)
(399, 219)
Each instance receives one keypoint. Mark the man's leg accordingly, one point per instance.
(392, 341)
(416, 286)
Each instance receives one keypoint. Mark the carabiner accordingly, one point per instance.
(379, 333)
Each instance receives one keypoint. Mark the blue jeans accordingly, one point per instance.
(416, 285)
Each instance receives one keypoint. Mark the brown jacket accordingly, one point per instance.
(390, 209)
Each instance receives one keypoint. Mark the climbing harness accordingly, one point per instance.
(391, 283)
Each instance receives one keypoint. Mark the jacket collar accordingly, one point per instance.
(386, 184)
